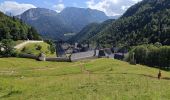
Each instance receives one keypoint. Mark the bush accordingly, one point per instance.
(24, 49)
(39, 47)
(7, 48)
(51, 47)
(164, 56)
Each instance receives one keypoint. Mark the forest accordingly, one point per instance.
(15, 29)
(144, 23)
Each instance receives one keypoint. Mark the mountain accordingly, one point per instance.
(15, 29)
(78, 18)
(146, 22)
(48, 23)
(55, 25)
(114, 17)
(90, 31)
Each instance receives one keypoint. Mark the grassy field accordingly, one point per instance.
(101, 79)
(32, 49)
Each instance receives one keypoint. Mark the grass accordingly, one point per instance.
(32, 48)
(26, 79)
(18, 42)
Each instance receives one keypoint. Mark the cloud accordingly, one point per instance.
(14, 8)
(111, 7)
(59, 7)
(124, 7)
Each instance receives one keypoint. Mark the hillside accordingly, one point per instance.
(109, 79)
(12, 28)
(36, 49)
(78, 18)
(54, 25)
(146, 22)
(90, 31)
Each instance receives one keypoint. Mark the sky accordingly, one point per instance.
(110, 7)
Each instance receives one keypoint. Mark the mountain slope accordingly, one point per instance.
(146, 22)
(78, 18)
(90, 31)
(12, 28)
(46, 21)
(54, 25)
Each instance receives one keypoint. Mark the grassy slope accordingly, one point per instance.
(31, 49)
(18, 42)
(25, 79)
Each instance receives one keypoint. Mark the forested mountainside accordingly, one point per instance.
(146, 22)
(55, 25)
(12, 28)
(90, 31)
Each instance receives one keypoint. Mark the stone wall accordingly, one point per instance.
(28, 56)
(59, 59)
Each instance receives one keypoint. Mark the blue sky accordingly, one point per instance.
(110, 7)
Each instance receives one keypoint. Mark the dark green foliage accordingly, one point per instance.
(144, 23)
(52, 46)
(12, 28)
(152, 55)
(24, 49)
(164, 56)
(32, 34)
(39, 47)
(6, 48)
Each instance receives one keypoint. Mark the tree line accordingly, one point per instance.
(144, 23)
(15, 29)
(151, 55)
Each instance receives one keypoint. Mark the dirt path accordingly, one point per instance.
(21, 45)
(84, 70)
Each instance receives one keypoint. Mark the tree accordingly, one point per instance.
(7, 48)
(13, 28)
(52, 46)
(30, 35)
(34, 34)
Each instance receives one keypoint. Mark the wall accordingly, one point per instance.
(58, 59)
(28, 56)
(82, 55)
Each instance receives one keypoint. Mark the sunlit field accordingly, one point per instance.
(101, 79)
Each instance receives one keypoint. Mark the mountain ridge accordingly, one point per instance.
(147, 22)
(54, 25)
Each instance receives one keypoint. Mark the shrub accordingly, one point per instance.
(6, 48)
(39, 47)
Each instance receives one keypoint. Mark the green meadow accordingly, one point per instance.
(37, 48)
(100, 79)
